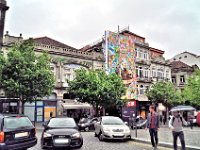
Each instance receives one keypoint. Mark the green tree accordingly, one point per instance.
(97, 88)
(26, 75)
(164, 92)
(191, 92)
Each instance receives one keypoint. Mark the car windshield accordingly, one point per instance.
(62, 123)
(112, 121)
(17, 122)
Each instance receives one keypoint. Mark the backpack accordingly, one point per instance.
(174, 119)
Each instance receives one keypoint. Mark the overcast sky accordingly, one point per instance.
(169, 25)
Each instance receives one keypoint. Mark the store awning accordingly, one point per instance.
(76, 106)
(142, 98)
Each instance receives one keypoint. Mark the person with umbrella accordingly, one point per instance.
(176, 125)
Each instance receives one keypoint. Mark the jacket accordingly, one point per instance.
(148, 124)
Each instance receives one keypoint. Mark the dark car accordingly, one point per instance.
(16, 132)
(61, 133)
(140, 123)
(87, 124)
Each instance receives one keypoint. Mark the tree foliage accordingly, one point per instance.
(164, 92)
(26, 75)
(97, 88)
(191, 92)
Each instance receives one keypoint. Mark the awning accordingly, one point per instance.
(76, 106)
(142, 98)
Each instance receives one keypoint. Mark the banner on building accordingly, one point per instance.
(120, 59)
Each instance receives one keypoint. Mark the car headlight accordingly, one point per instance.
(46, 135)
(127, 130)
(76, 135)
(106, 129)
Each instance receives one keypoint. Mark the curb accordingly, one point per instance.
(164, 144)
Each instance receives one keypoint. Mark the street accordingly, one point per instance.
(90, 143)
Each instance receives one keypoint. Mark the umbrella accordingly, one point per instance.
(183, 108)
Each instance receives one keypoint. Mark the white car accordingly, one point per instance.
(110, 127)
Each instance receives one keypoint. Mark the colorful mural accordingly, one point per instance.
(121, 57)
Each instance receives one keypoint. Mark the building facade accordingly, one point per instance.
(151, 67)
(64, 61)
(180, 73)
(187, 58)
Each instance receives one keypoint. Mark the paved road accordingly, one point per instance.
(92, 143)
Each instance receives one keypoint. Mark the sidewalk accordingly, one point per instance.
(192, 137)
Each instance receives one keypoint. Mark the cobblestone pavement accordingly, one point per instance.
(92, 143)
(192, 136)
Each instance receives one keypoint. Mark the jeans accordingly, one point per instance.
(181, 137)
(153, 135)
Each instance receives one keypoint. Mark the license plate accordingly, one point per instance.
(19, 135)
(118, 134)
(61, 141)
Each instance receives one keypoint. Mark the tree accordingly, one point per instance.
(25, 75)
(97, 88)
(164, 92)
(191, 92)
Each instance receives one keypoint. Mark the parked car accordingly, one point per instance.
(87, 124)
(110, 127)
(16, 132)
(140, 123)
(61, 133)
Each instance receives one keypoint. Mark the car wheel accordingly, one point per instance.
(42, 146)
(80, 145)
(100, 136)
(86, 129)
(95, 135)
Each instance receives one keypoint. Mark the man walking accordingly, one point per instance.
(176, 125)
(153, 125)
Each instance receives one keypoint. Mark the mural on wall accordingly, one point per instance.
(121, 58)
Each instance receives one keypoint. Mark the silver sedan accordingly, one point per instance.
(110, 127)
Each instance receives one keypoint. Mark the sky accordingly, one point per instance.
(169, 25)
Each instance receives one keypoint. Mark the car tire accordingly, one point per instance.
(100, 136)
(87, 129)
(80, 145)
(95, 135)
(43, 147)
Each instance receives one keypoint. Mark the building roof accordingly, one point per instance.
(188, 53)
(156, 50)
(179, 64)
(48, 41)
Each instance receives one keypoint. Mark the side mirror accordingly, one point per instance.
(126, 123)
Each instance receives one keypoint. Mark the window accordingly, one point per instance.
(145, 55)
(182, 79)
(68, 75)
(173, 79)
(160, 73)
(153, 72)
(185, 56)
(141, 89)
(180, 57)
(167, 74)
(174, 59)
(146, 73)
(140, 71)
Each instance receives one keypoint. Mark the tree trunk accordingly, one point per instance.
(97, 110)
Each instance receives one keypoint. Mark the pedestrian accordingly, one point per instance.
(176, 125)
(191, 118)
(153, 126)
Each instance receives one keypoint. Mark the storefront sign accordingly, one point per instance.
(131, 104)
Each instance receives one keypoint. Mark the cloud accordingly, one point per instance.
(171, 25)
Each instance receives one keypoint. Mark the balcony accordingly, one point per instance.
(142, 62)
(144, 79)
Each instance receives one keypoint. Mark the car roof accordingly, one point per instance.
(11, 115)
